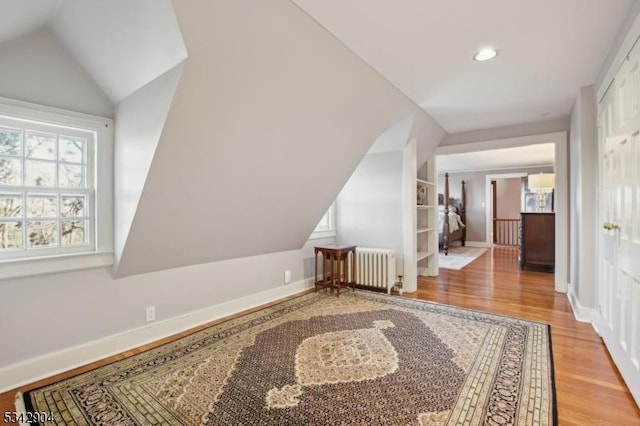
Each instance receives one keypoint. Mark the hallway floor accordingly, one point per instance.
(589, 389)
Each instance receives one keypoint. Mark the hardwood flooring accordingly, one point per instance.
(589, 389)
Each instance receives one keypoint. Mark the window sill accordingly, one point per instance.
(20, 268)
(322, 234)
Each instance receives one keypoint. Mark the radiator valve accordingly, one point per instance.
(397, 286)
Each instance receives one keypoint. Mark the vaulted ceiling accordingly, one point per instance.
(122, 44)
(548, 49)
(237, 122)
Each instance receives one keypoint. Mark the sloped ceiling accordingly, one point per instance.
(548, 50)
(271, 116)
(123, 44)
(36, 68)
(21, 17)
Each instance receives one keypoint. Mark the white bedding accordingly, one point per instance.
(455, 221)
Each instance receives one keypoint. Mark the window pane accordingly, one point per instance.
(323, 225)
(40, 173)
(73, 206)
(73, 232)
(10, 206)
(11, 235)
(41, 206)
(10, 142)
(71, 176)
(10, 172)
(41, 146)
(71, 149)
(42, 233)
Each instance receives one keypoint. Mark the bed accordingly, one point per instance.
(453, 229)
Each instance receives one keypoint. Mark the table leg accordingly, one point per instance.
(315, 273)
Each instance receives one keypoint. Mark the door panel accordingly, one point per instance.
(618, 317)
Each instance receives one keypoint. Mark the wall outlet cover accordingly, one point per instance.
(151, 313)
(287, 277)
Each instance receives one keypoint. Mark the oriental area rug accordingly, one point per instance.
(363, 358)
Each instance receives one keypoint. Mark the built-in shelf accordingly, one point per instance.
(423, 255)
(422, 230)
(426, 220)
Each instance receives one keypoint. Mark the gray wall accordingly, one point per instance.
(369, 208)
(476, 196)
(583, 149)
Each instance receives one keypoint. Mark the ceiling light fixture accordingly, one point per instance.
(485, 55)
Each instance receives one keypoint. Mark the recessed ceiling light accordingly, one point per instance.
(485, 55)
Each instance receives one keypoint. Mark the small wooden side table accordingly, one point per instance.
(336, 273)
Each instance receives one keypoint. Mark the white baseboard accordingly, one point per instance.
(480, 244)
(580, 312)
(46, 365)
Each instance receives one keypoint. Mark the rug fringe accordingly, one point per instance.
(20, 407)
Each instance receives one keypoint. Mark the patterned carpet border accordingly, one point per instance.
(318, 359)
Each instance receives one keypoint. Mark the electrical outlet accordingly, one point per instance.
(287, 277)
(151, 313)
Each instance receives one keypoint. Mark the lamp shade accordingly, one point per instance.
(542, 181)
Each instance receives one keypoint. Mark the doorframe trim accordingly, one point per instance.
(624, 48)
(489, 201)
(561, 169)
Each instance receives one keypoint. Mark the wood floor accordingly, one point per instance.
(589, 388)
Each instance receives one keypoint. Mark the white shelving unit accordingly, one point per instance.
(426, 221)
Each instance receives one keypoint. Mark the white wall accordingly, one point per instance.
(583, 149)
(138, 125)
(37, 68)
(271, 116)
(50, 313)
(369, 208)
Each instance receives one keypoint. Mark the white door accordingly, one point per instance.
(618, 317)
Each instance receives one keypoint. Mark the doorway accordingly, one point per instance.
(560, 166)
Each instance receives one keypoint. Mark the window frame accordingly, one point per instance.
(330, 229)
(99, 251)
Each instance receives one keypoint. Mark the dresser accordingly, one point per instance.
(537, 241)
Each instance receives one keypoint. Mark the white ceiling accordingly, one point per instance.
(548, 50)
(498, 159)
(122, 44)
(20, 17)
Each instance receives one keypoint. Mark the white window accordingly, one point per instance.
(327, 225)
(49, 194)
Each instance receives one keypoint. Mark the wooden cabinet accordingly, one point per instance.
(537, 241)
